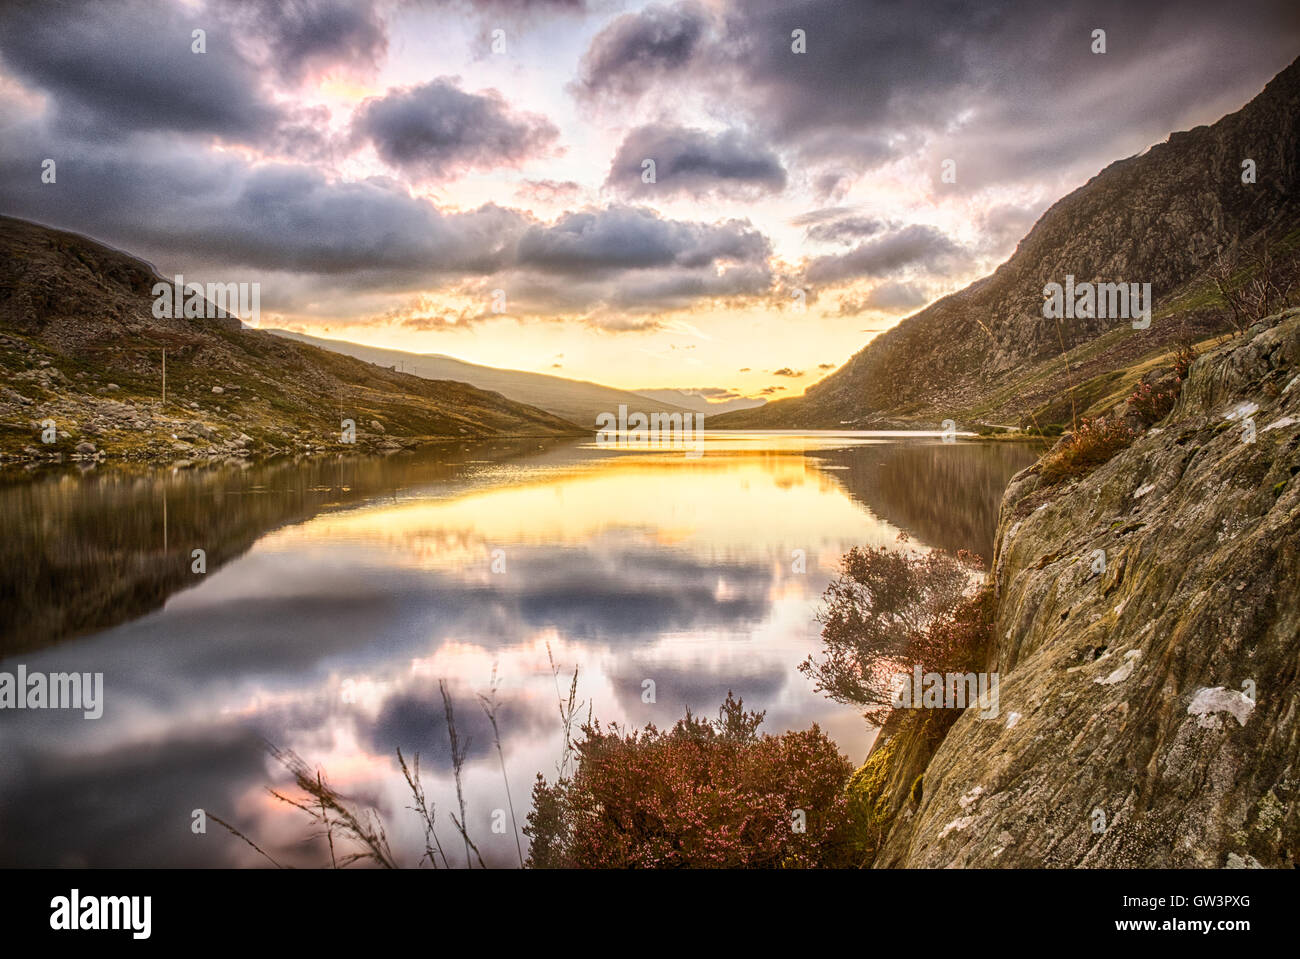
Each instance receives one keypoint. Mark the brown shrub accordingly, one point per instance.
(1089, 446)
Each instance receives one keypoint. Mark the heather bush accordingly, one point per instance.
(1149, 404)
(707, 793)
(1091, 444)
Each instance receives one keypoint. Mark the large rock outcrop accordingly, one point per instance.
(1149, 712)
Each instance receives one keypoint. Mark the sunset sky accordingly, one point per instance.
(380, 170)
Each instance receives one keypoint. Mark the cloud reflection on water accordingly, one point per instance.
(329, 636)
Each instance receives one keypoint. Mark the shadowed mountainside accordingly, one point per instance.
(1166, 217)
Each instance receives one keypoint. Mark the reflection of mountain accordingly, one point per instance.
(944, 494)
(79, 556)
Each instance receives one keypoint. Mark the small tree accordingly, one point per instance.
(1262, 291)
(888, 611)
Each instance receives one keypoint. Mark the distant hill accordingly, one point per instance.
(577, 401)
(695, 401)
(1169, 217)
(79, 346)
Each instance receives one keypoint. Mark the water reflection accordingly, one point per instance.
(339, 593)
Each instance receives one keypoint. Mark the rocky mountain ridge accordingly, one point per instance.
(1166, 217)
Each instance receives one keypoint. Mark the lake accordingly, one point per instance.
(339, 592)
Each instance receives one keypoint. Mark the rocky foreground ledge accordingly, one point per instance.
(1148, 648)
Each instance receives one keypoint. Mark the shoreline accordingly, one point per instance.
(243, 450)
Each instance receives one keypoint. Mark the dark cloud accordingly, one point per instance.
(629, 238)
(861, 59)
(695, 163)
(437, 130)
(889, 296)
(277, 216)
(121, 66)
(917, 246)
(373, 234)
(1009, 89)
(679, 289)
(591, 295)
(845, 230)
(786, 371)
(628, 55)
(303, 36)
(632, 259)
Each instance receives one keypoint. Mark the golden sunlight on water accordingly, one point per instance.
(342, 594)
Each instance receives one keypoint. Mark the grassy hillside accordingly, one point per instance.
(574, 400)
(79, 346)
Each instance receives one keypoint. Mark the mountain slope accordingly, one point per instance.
(986, 354)
(577, 401)
(79, 345)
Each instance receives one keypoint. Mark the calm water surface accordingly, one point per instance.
(339, 593)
